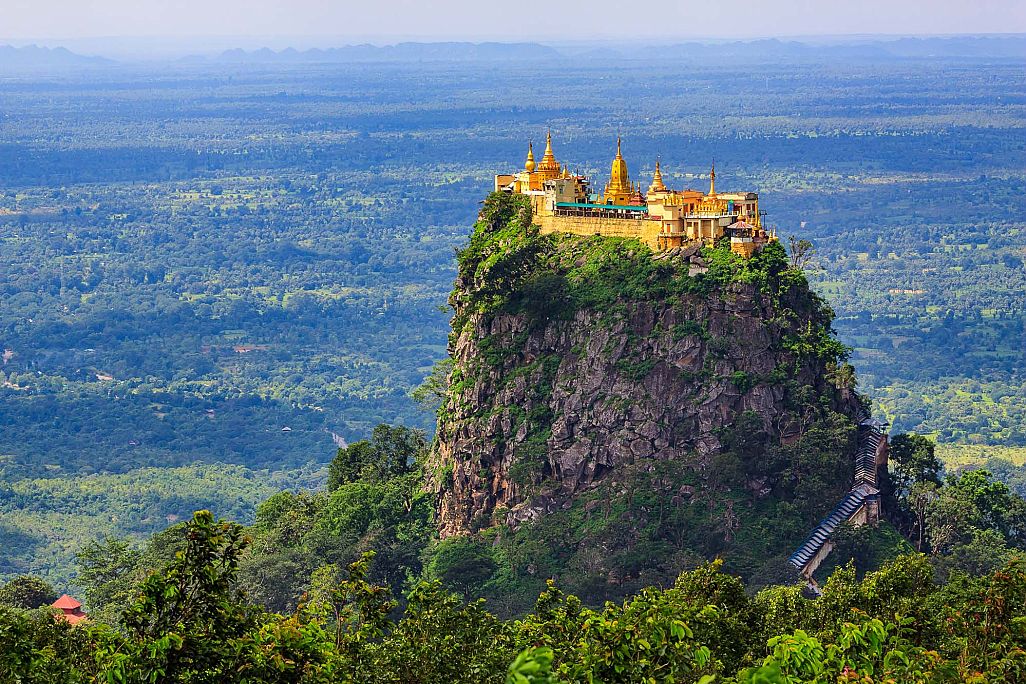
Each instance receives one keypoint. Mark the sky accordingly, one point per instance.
(324, 23)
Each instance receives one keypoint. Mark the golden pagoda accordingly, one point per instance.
(549, 167)
(657, 181)
(619, 189)
(529, 165)
(712, 204)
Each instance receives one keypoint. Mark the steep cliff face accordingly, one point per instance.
(580, 362)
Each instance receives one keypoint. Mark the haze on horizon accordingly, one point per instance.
(324, 23)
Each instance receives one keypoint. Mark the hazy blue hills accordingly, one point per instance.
(1011, 46)
(451, 51)
(960, 47)
(883, 49)
(870, 48)
(34, 56)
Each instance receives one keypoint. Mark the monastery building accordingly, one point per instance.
(563, 202)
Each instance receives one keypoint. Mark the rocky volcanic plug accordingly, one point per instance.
(577, 357)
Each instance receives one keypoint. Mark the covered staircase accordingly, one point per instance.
(861, 504)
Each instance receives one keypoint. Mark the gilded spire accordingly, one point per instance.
(657, 180)
(548, 162)
(619, 181)
(529, 165)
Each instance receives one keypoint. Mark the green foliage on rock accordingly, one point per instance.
(509, 267)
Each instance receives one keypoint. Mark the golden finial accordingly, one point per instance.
(657, 180)
(529, 165)
(548, 162)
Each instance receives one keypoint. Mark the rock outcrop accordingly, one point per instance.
(548, 400)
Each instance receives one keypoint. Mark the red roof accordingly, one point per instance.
(71, 610)
(66, 603)
(73, 618)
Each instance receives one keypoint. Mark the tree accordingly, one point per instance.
(920, 497)
(984, 620)
(463, 562)
(729, 635)
(801, 253)
(913, 461)
(107, 571)
(648, 638)
(389, 513)
(181, 626)
(432, 392)
(27, 592)
(191, 624)
(843, 376)
(36, 649)
(974, 523)
(995, 505)
(984, 551)
(867, 650)
(391, 451)
(356, 609)
(440, 640)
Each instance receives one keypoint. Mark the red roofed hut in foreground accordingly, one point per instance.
(71, 610)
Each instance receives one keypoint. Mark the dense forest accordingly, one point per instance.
(347, 586)
(239, 267)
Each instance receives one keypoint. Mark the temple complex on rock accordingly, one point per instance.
(564, 202)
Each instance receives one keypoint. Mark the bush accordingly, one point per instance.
(462, 563)
(27, 592)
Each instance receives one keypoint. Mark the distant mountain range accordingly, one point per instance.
(965, 46)
(871, 48)
(401, 52)
(999, 47)
(34, 56)
(983, 47)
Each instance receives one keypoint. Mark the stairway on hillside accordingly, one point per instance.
(864, 491)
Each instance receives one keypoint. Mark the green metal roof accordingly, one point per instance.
(583, 205)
